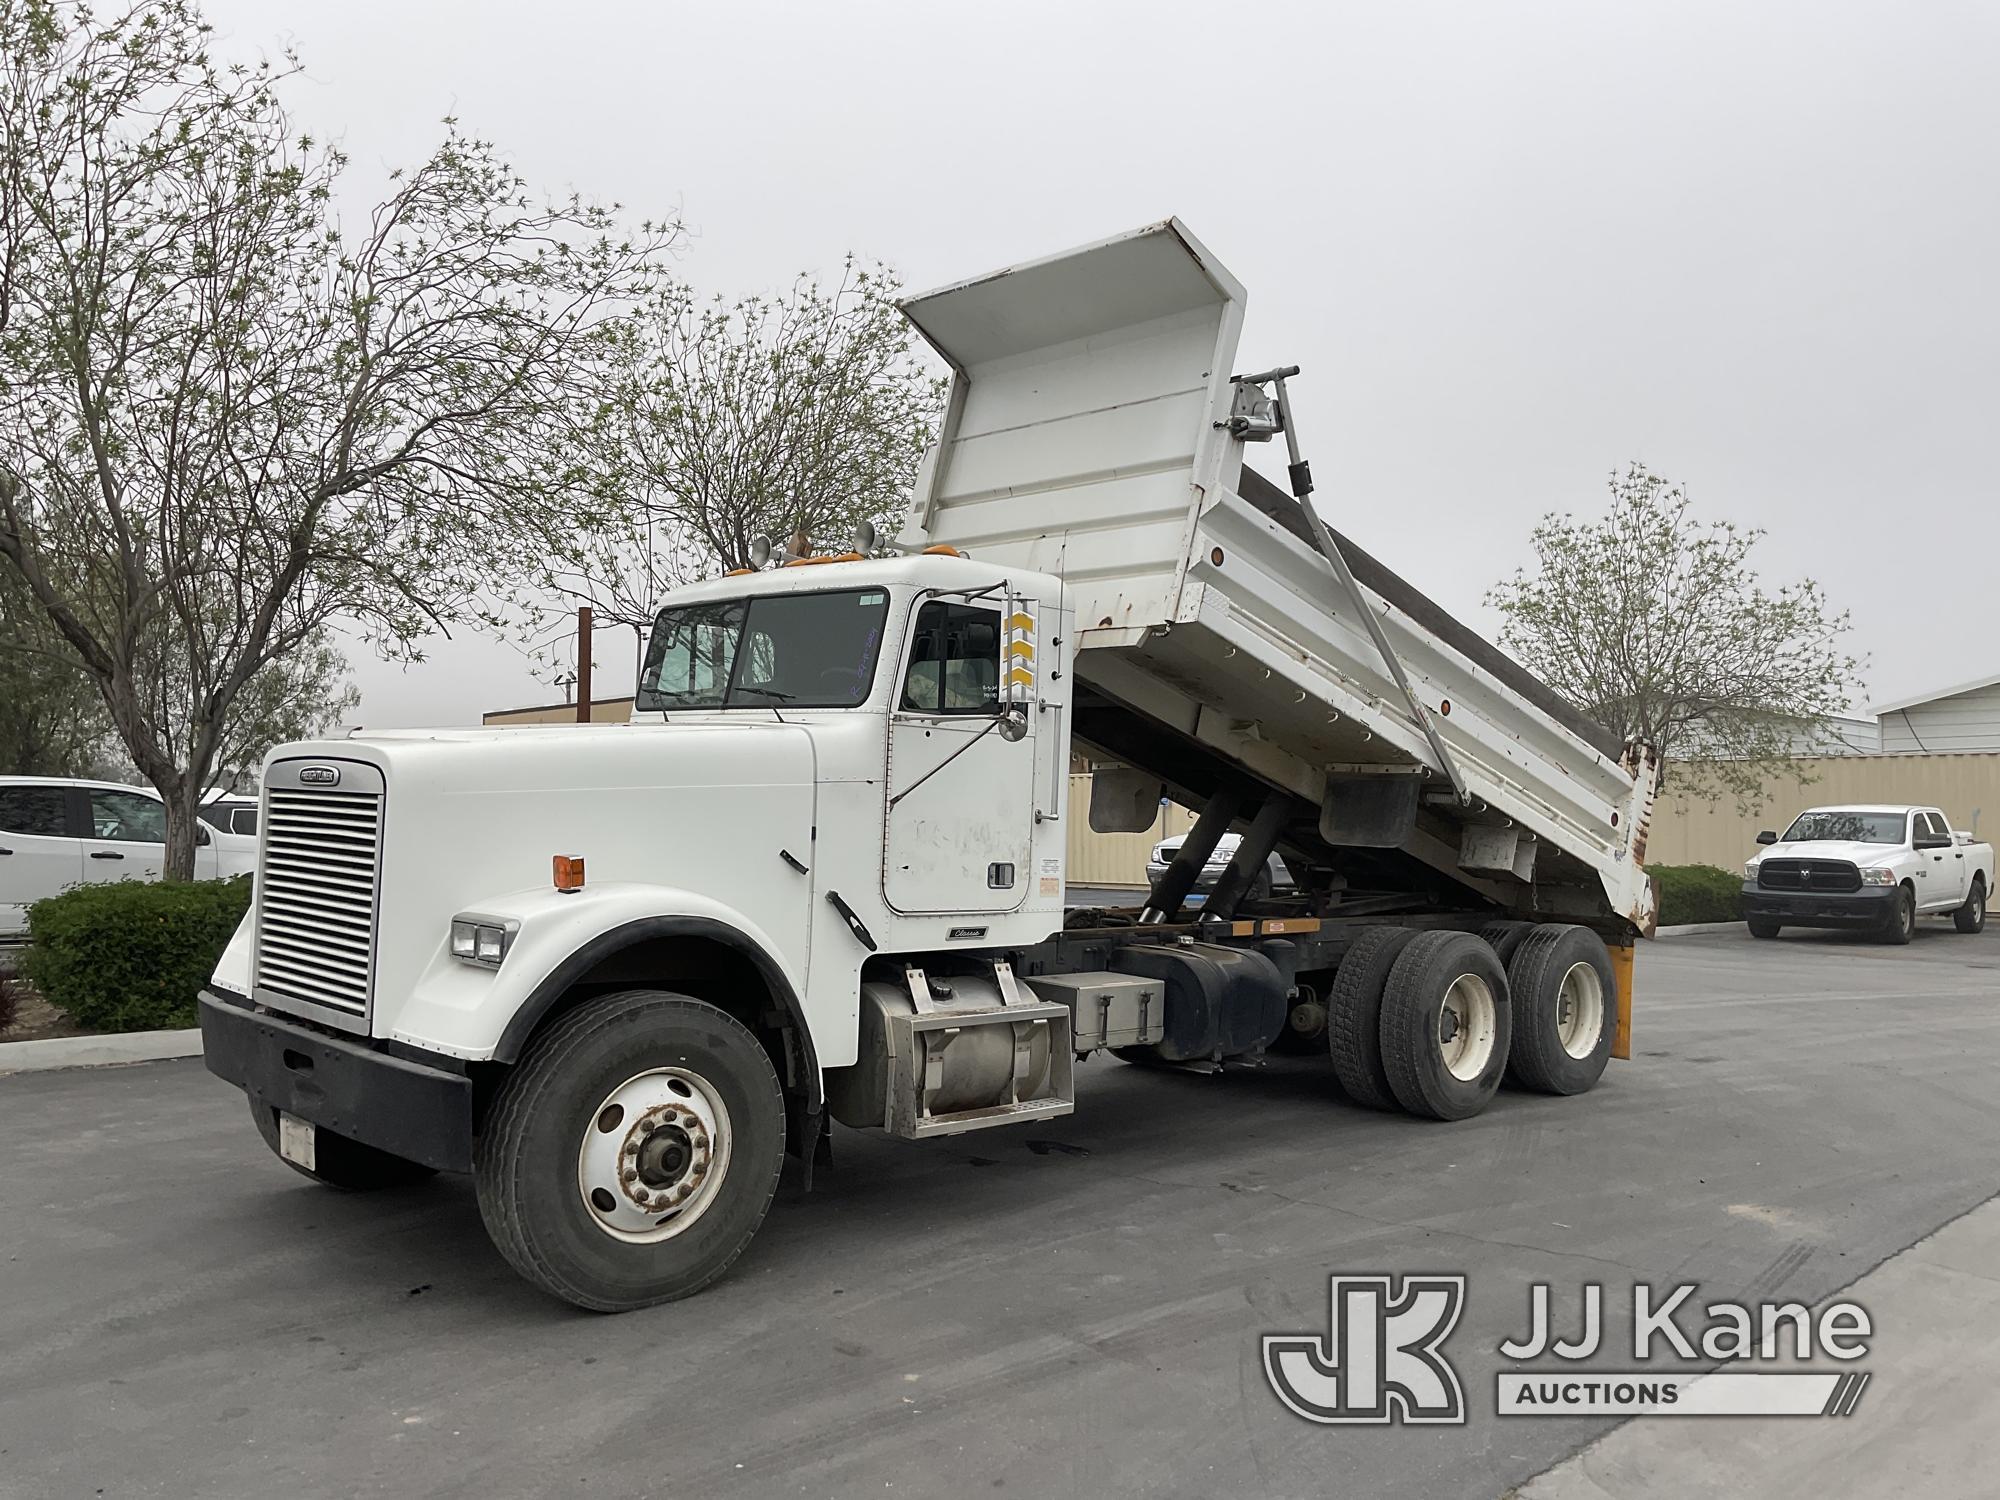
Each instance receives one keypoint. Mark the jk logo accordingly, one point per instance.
(1379, 1361)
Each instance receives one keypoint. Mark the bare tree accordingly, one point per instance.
(776, 417)
(226, 423)
(1655, 624)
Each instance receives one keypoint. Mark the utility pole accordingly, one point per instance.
(583, 664)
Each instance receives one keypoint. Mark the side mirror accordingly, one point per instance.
(1930, 841)
(1013, 722)
(1767, 837)
(201, 833)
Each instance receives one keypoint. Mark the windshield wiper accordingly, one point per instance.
(767, 692)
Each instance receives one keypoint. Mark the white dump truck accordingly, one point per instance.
(618, 972)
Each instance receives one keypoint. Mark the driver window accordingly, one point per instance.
(954, 660)
(127, 816)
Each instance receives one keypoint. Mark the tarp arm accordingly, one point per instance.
(1254, 418)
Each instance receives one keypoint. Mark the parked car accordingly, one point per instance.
(1275, 874)
(1869, 868)
(57, 832)
(230, 813)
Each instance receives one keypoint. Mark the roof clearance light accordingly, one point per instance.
(569, 873)
(942, 549)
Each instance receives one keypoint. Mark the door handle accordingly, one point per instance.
(105, 854)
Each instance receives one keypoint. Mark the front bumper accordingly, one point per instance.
(409, 1109)
(1869, 907)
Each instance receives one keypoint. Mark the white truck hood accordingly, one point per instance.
(470, 817)
(1853, 851)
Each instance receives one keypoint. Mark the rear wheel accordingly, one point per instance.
(1971, 917)
(1446, 1025)
(1903, 918)
(1354, 1010)
(1762, 927)
(1565, 998)
(633, 1152)
(339, 1162)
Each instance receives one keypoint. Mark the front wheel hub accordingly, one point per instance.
(653, 1155)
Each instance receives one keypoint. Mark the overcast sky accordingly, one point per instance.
(1514, 246)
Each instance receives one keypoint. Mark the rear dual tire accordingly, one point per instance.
(1354, 1014)
(1446, 1025)
(1565, 1010)
(1419, 1020)
(1545, 1016)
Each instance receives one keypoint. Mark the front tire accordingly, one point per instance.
(341, 1163)
(633, 1153)
(1762, 927)
(1903, 919)
(1565, 999)
(1971, 917)
(1446, 1025)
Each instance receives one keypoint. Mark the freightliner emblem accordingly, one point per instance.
(319, 775)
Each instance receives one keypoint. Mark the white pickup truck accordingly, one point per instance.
(1873, 869)
(826, 861)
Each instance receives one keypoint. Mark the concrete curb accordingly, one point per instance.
(98, 1051)
(1688, 929)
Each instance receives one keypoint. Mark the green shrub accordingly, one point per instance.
(131, 956)
(10, 1000)
(1697, 893)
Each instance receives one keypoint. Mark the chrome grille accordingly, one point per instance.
(1808, 875)
(318, 883)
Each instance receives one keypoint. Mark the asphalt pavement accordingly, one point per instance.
(1073, 1307)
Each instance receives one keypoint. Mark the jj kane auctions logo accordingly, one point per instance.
(1382, 1357)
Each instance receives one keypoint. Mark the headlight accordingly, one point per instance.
(1878, 877)
(1750, 869)
(482, 940)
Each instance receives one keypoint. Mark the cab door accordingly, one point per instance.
(1944, 868)
(40, 854)
(960, 781)
(126, 837)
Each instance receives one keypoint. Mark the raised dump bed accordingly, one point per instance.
(1090, 436)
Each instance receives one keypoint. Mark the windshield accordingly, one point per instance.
(774, 651)
(1856, 827)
